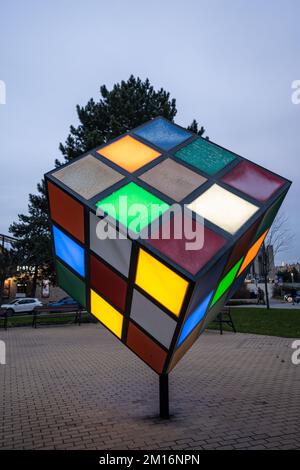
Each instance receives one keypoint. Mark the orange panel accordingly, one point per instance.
(67, 212)
(129, 153)
(242, 245)
(145, 348)
(253, 252)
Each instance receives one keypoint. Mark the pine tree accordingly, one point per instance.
(33, 243)
(194, 127)
(126, 106)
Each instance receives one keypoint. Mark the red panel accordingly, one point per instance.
(253, 180)
(108, 283)
(66, 212)
(145, 348)
(242, 246)
(176, 249)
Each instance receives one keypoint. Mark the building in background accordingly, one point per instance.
(6, 242)
(288, 267)
(17, 287)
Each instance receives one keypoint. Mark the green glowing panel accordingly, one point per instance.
(226, 282)
(70, 283)
(205, 156)
(133, 206)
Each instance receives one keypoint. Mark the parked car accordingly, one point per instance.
(292, 297)
(24, 305)
(297, 297)
(288, 298)
(63, 302)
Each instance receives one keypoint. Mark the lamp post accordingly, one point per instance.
(265, 272)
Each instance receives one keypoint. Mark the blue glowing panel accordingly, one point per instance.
(163, 134)
(69, 251)
(194, 319)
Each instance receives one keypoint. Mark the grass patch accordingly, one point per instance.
(260, 321)
(63, 319)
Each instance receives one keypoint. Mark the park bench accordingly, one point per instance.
(47, 311)
(4, 317)
(237, 302)
(224, 317)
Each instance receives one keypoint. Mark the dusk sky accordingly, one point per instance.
(229, 64)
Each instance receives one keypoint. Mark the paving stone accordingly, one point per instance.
(78, 388)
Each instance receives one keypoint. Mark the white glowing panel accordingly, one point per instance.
(223, 208)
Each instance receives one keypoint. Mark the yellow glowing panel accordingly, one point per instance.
(253, 252)
(129, 153)
(223, 208)
(160, 282)
(108, 315)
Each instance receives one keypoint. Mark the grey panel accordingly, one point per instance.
(116, 252)
(88, 176)
(152, 319)
(173, 179)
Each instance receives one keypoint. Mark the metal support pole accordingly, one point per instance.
(164, 396)
(265, 273)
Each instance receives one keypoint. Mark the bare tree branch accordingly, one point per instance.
(279, 236)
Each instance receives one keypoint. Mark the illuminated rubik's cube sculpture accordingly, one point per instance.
(155, 295)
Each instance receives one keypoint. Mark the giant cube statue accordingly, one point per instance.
(154, 294)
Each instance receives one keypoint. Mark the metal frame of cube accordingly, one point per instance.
(161, 358)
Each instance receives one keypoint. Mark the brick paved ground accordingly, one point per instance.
(77, 387)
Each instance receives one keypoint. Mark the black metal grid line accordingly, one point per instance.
(134, 176)
(169, 153)
(87, 258)
(146, 333)
(107, 264)
(181, 318)
(157, 303)
(130, 288)
(160, 118)
(92, 286)
(158, 256)
(185, 316)
(107, 300)
(180, 269)
(233, 238)
(66, 265)
(65, 231)
(175, 149)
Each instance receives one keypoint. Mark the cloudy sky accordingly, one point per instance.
(230, 64)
